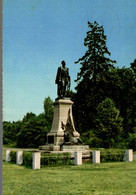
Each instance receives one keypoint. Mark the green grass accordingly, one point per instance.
(87, 179)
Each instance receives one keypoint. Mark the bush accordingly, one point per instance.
(13, 156)
(55, 159)
(132, 141)
(112, 155)
(27, 158)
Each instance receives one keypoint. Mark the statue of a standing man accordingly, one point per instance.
(62, 80)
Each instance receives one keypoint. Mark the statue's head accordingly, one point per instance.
(63, 63)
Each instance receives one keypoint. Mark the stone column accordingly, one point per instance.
(36, 160)
(96, 156)
(19, 157)
(129, 155)
(78, 158)
(7, 155)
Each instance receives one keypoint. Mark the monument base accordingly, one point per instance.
(63, 137)
(49, 148)
(74, 148)
(68, 148)
(65, 148)
(62, 112)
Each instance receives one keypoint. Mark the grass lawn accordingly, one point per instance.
(87, 179)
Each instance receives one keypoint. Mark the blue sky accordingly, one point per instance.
(39, 34)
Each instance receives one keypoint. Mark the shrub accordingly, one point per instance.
(27, 158)
(132, 141)
(13, 156)
(112, 155)
(55, 159)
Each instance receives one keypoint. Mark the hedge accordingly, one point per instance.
(27, 158)
(55, 159)
(112, 155)
(13, 156)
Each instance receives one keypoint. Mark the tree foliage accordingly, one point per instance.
(48, 109)
(10, 130)
(108, 124)
(99, 79)
(95, 61)
(32, 130)
(32, 133)
(28, 116)
(92, 78)
(133, 66)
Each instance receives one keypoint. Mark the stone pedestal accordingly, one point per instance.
(7, 155)
(49, 147)
(96, 156)
(62, 108)
(129, 155)
(68, 148)
(78, 158)
(63, 122)
(36, 160)
(19, 157)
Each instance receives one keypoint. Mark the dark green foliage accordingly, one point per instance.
(56, 159)
(10, 130)
(95, 61)
(32, 133)
(121, 87)
(133, 66)
(108, 124)
(99, 79)
(7, 132)
(13, 156)
(32, 130)
(27, 159)
(112, 155)
(132, 140)
(28, 116)
(48, 110)
(95, 65)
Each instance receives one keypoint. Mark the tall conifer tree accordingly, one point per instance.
(95, 64)
(95, 61)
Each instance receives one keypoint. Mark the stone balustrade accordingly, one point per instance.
(7, 155)
(78, 158)
(36, 160)
(129, 155)
(96, 156)
(19, 157)
(36, 157)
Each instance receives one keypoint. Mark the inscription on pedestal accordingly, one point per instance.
(50, 139)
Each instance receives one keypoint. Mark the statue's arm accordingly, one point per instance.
(57, 76)
(69, 80)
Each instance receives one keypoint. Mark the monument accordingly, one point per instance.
(63, 135)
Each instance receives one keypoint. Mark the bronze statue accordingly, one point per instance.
(62, 80)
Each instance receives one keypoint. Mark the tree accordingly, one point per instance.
(33, 132)
(10, 131)
(48, 109)
(28, 116)
(7, 132)
(132, 140)
(121, 87)
(133, 66)
(95, 65)
(108, 125)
